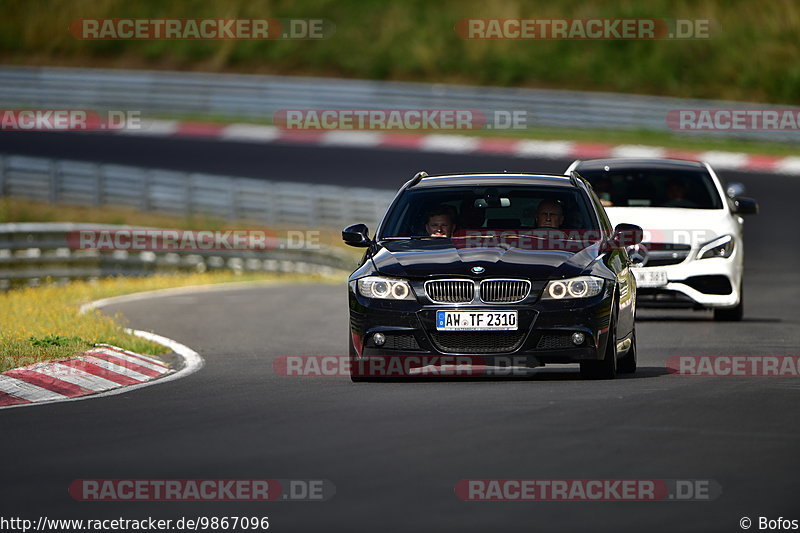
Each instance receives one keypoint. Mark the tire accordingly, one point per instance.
(627, 365)
(605, 368)
(734, 314)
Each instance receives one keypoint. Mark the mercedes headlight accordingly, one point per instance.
(580, 287)
(721, 247)
(385, 288)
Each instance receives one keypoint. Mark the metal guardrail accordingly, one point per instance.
(259, 97)
(33, 252)
(272, 203)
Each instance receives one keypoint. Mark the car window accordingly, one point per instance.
(693, 189)
(486, 208)
(605, 222)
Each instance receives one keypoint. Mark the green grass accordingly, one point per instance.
(42, 323)
(752, 54)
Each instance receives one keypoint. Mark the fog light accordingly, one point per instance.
(379, 339)
(578, 338)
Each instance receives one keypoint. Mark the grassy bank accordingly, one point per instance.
(752, 54)
(43, 322)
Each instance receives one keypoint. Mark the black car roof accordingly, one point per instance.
(625, 163)
(553, 180)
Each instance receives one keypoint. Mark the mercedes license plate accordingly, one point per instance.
(650, 277)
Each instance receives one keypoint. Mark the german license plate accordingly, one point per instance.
(476, 320)
(650, 277)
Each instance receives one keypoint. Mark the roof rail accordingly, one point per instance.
(416, 179)
(575, 178)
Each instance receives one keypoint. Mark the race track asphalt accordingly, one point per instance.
(394, 451)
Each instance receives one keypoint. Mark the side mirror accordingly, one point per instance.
(745, 206)
(356, 235)
(627, 235)
(734, 190)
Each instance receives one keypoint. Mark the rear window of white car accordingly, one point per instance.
(654, 188)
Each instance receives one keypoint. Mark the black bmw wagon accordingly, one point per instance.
(492, 271)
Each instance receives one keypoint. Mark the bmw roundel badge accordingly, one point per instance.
(478, 270)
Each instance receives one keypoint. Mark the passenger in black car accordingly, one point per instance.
(549, 214)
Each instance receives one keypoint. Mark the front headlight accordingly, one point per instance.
(580, 287)
(385, 288)
(721, 247)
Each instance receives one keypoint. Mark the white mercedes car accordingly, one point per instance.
(692, 253)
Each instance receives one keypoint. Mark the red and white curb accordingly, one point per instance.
(105, 370)
(100, 369)
(451, 143)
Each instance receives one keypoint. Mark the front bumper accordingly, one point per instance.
(703, 283)
(544, 332)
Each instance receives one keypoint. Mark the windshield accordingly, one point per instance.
(449, 211)
(693, 189)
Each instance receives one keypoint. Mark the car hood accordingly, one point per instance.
(439, 257)
(675, 225)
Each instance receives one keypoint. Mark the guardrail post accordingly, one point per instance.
(2, 175)
(54, 181)
(188, 195)
(99, 184)
(146, 190)
(233, 193)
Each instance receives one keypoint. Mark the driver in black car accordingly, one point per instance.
(440, 221)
